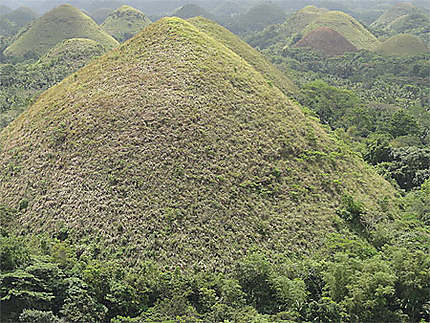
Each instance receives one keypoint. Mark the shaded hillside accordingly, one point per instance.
(257, 18)
(69, 56)
(288, 32)
(402, 45)
(172, 147)
(347, 26)
(125, 22)
(396, 11)
(21, 83)
(326, 40)
(63, 22)
(192, 10)
(13, 21)
(403, 18)
(99, 15)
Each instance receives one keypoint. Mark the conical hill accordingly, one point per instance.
(125, 22)
(402, 45)
(173, 147)
(326, 40)
(347, 26)
(63, 22)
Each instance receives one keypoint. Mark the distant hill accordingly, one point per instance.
(404, 18)
(402, 45)
(13, 21)
(399, 10)
(326, 40)
(257, 18)
(70, 55)
(125, 22)
(309, 19)
(4, 10)
(63, 22)
(192, 10)
(99, 15)
(345, 25)
(174, 148)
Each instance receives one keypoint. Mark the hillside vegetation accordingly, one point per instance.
(402, 45)
(63, 22)
(11, 22)
(125, 22)
(211, 159)
(23, 82)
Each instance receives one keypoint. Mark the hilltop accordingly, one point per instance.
(345, 25)
(402, 45)
(63, 22)
(326, 40)
(253, 57)
(125, 22)
(175, 148)
(192, 10)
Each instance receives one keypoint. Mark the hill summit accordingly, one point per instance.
(326, 40)
(63, 22)
(347, 26)
(125, 22)
(174, 147)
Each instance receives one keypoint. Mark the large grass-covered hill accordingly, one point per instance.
(402, 45)
(174, 147)
(63, 22)
(125, 22)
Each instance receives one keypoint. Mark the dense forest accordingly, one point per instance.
(231, 161)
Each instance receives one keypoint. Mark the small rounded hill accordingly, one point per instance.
(63, 22)
(402, 45)
(327, 41)
(347, 26)
(125, 22)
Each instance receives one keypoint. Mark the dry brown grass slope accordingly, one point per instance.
(174, 148)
